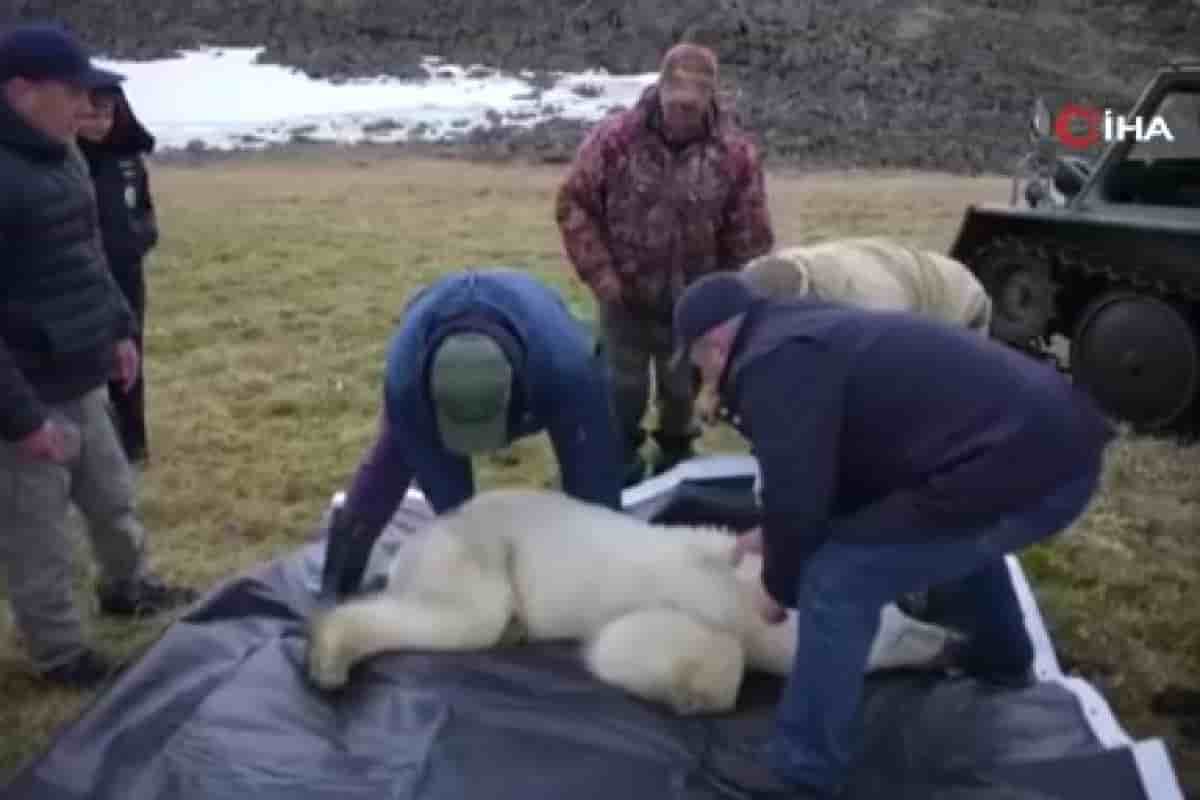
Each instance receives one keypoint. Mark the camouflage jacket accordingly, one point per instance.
(657, 217)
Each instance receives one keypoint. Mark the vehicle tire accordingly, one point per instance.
(1019, 281)
(1139, 357)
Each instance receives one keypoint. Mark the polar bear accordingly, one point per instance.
(661, 611)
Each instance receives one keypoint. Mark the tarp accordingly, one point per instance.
(219, 709)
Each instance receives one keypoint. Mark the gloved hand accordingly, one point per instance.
(348, 545)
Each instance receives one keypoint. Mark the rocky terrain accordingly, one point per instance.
(935, 84)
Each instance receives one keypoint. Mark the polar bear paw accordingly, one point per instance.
(698, 686)
(666, 657)
(327, 665)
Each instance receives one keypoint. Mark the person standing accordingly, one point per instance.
(658, 196)
(115, 143)
(65, 331)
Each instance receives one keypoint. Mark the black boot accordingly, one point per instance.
(348, 546)
(672, 450)
(144, 595)
(635, 464)
(87, 670)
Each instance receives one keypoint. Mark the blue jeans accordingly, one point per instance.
(841, 594)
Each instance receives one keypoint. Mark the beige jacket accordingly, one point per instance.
(876, 273)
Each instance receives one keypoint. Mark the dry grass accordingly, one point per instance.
(272, 298)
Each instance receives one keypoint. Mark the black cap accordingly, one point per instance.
(49, 52)
(708, 302)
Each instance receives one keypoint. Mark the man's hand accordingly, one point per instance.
(748, 542)
(127, 364)
(55, 441)
(751, 542)
(771, 611)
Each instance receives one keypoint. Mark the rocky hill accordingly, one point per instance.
(934, 84)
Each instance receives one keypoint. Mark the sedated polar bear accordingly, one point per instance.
(660, 610)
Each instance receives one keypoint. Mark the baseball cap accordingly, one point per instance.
(49, 52)
(708, 302)
(470, 382)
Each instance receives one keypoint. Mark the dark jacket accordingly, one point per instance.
(887, 426)
(128, 224)
(561, 388)
(61, 312)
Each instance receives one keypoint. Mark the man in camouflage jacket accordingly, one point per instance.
(657, 197)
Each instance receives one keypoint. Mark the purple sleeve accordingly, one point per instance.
(381, 481)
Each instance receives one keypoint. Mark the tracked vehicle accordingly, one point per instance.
(1105, 254)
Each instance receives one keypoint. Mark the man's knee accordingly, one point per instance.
(830, 589)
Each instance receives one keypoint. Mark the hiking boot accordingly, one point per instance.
(672, 450)
(145, 595)
(87, 670)
(1176, 701)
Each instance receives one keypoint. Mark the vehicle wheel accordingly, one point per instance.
(1139, 356)
(1018, 280)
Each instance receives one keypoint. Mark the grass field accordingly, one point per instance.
(272, 297)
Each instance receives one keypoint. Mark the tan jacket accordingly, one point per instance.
(876, 273)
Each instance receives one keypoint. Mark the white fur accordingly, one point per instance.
(660, 609)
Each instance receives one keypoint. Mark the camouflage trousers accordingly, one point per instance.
(634, 345)
(36, 541)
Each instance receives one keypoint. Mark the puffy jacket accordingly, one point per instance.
(61, 313)
(876, 273)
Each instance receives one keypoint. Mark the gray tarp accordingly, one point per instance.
(219, 709)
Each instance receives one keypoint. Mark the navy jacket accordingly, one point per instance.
(61, 312)
(561, 389)
(886, 426)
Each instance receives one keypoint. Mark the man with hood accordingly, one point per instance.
(114, 143)
(657, 197)
(65, 331)
(482, 357)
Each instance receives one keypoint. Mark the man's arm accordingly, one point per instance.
(793, 401)
(747, 231)
(584, 435)
(21, 412)
(127, 326)
(444, 477)
(578, 211)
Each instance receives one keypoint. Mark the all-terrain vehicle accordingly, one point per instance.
(1106, 255)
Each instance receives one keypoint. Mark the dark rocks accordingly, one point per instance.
(939, 84)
